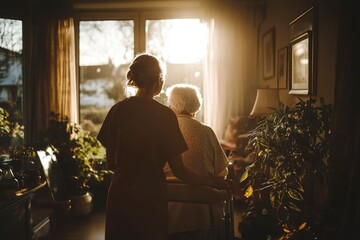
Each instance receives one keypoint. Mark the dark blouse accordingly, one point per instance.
(140, 135)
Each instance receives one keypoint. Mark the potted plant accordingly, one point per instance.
(77, 153)
(292, 149)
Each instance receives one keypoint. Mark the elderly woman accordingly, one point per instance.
(205, 155)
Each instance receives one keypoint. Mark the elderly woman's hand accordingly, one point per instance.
(224, 184)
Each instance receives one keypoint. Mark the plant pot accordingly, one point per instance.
(82, 204)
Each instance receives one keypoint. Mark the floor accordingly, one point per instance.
(91, 227)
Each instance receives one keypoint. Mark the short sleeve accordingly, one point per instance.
(104, 132)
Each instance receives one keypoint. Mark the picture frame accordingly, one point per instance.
(268, 46)
(300, 64)
(303, 27)
(282, 68)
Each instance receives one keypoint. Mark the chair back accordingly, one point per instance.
(50, 169)
(189, 193)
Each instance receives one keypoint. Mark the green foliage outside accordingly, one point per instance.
(10, 131)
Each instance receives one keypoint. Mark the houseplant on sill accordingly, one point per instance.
(78, 155)
(283, 184)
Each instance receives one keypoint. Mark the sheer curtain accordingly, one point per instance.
(231, 62)
(51, 67)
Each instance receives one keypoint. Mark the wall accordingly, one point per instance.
(279, 13)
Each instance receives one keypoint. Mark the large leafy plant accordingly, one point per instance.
(292, 150)
(79, 154)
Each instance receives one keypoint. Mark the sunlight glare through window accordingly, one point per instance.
(180, 40)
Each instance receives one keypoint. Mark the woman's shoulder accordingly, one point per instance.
(165, 109)
(207, 130)
(201, 125)
(119, 105)
(195, 125)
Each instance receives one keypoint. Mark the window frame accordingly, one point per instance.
(21, 16)
(127, 11)
(97, 16)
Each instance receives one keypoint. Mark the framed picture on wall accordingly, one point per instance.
(300, 64)
(268, 46)
(302, 51)
(282, 68)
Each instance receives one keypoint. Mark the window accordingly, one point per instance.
(106, 47)
(182, 44)
(11, 68)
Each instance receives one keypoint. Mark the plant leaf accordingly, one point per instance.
(294, 207)
(302, 225)
(249, 192)
(286, 230)
(298, 185)
(295, 195)
(244, 175)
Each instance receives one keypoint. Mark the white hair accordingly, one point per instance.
(184, 98)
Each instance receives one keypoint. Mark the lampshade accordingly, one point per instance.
(265, 98)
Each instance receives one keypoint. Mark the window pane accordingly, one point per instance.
(11, 68)
(106, 50)
(182, 44)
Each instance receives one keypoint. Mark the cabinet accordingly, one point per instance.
(18, 219)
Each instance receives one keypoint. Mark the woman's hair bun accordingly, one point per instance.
(145, 70)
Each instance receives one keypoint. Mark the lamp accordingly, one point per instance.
(265, 98)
